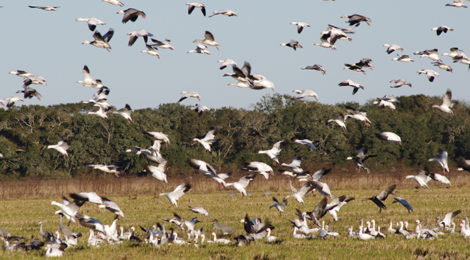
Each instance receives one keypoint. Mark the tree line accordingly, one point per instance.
(26, 131)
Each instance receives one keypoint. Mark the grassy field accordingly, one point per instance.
(20, 214)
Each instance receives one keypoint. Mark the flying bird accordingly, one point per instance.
(114, 2)
(382, 196)
(177, 193)
(403, 58)
(442, 160)
(300, 26)
(208, 40)
(431, 74)
(446, 103)
(293, 44)
(350, 83)
(391, 47)
(136, 34)
(305, 93)
(225, 12)
(242, 183)
(101, 41)
(399, 83)
(61, 147)
(442, 29)
(207, 140)
(193, 5)
(131, 14)
(391, 137)
(189, 94)
(45, 8)
(274, 152)
(403, 202)
(315, 67)
(91, 21)
(356, 19)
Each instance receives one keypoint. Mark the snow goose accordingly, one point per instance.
(280, 206)
(274, 152)
(315, 67)
(101, 41)
(159, 136)
(322, 188)
(218, 240)
(199, 109)
(360, 158)
(421, 178)
(83, 197)
(358, 115)
(365, 63)
(91, 223)
(298, 195)
(111, 206)
(442, 66)
(306, 142)
(261, 82)
(45, 8)
(193, 5)
(29, 92)
(242, 183)
(165, 44)
(29, 78)
(158, 172)
(71, 238)
(189, 94)
(10, 101)
(331, 35)
(136, 34)
(106, 168)
(432, 54)
(438, 177)
(403, 58)
(67, 208)
(350, 83)
(354, 67)
(382, 196)
(305, 93)
(222, 228)
(91, 21)
(225, 12)
(208, 40)
(457, 3)
(55, 249)
(226, 62)
(442, 29)
(152, 51)
(403, 202)
(446, 103)
(391, 47)
(293, 44)
(101, 112)
(294, 165)
(356, 19)
(177, 193)
(442, 160)
(336, 204)
(391, 137)
(61, 147)
(199, 210)
(300, 26)
(207, 140)
(386, 101)
(448, 219)
(399, 83)
(114, 2)
(202, 166)
(131, 14)
(126, 113)
(88, 80)
(339, 121)
(261, 168)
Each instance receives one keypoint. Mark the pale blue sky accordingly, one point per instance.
(49, 44)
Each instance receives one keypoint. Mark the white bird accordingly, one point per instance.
(446, 103)
(438, 177)
(29, 78)
(298, 195)
(457, 3)
(45, 8)
(261, 82)
(200, 49)
(403, 58)
(225, 12)
(199, 210)
(292, 44)
(207, 140)
(339, 121)
(12, 100)
(131, 14)
(305, 93)
(392, 47)
(126, 113)
(448, 219)
(226, 62)
(200, 109)
(134, 35)
(101, 41)
(354, 85)
(358, 115)
(421, 178)
(294, 165)
(315, 67)
(152, 51)
(442, 29)
(88, 80)
(261, 168)
(300, 26)
(208, 40)
(101, 112)
(159, 136)
(431, 74)
(219, 240)
(442, 66)
(306, 142)
(189, 94)
(61, 147)
(165, 44)
(67, 208)
(177, 193)
(274, 152)
(91, 21)
(442, 160)
(391, 137)
(106, 168)
(399, 83)
(87, 196)
(158, 172)
(242, 183)
(202, 166)
(111, 206)
(386, 101)
(432, 54)
(193, 5)
(114, 2)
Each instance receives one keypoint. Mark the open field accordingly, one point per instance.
(21, 216)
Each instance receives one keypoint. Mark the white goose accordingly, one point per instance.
(431, 74)
(202, 166)
(91, 21)
(101, 112)
(339, 121)
(158, 172)
(354, 85)
(193, 5)
(306, 142)
(61, 147)
(225, 12)
(207, 140)
(421, 178)
(300, 26)
(358, 115)
(392, 47)
(208, 40)
(226, 62)
(274, 152)
(432, 54)
(88, 80)
(111, 206)
(106, 168)
(261, 168)
(219, 240)
(403, 58)
(152, 51)
(199, 210)
(448, 219)
(305, 93)
(165, 44)
(242, 183)
(442, 160)
(386, 101)
(446, 103)
(399, 83)
(160, 136)
(101, 41)
(442, 29)
(114, 2)
(299, 195)
(200, 49)
(458, 3)
(177, 193)
(189, 94)
(126, 113)
(391, 137)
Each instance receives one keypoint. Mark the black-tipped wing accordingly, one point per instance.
(384, 193)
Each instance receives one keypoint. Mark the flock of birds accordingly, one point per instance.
(308, 224)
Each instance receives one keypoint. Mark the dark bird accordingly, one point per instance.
(382, 196)
(193, 5)
(131, 14)
(356, 19)
(315, 67)
(403, 202)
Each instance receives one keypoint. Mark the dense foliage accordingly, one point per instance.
(26, 131)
